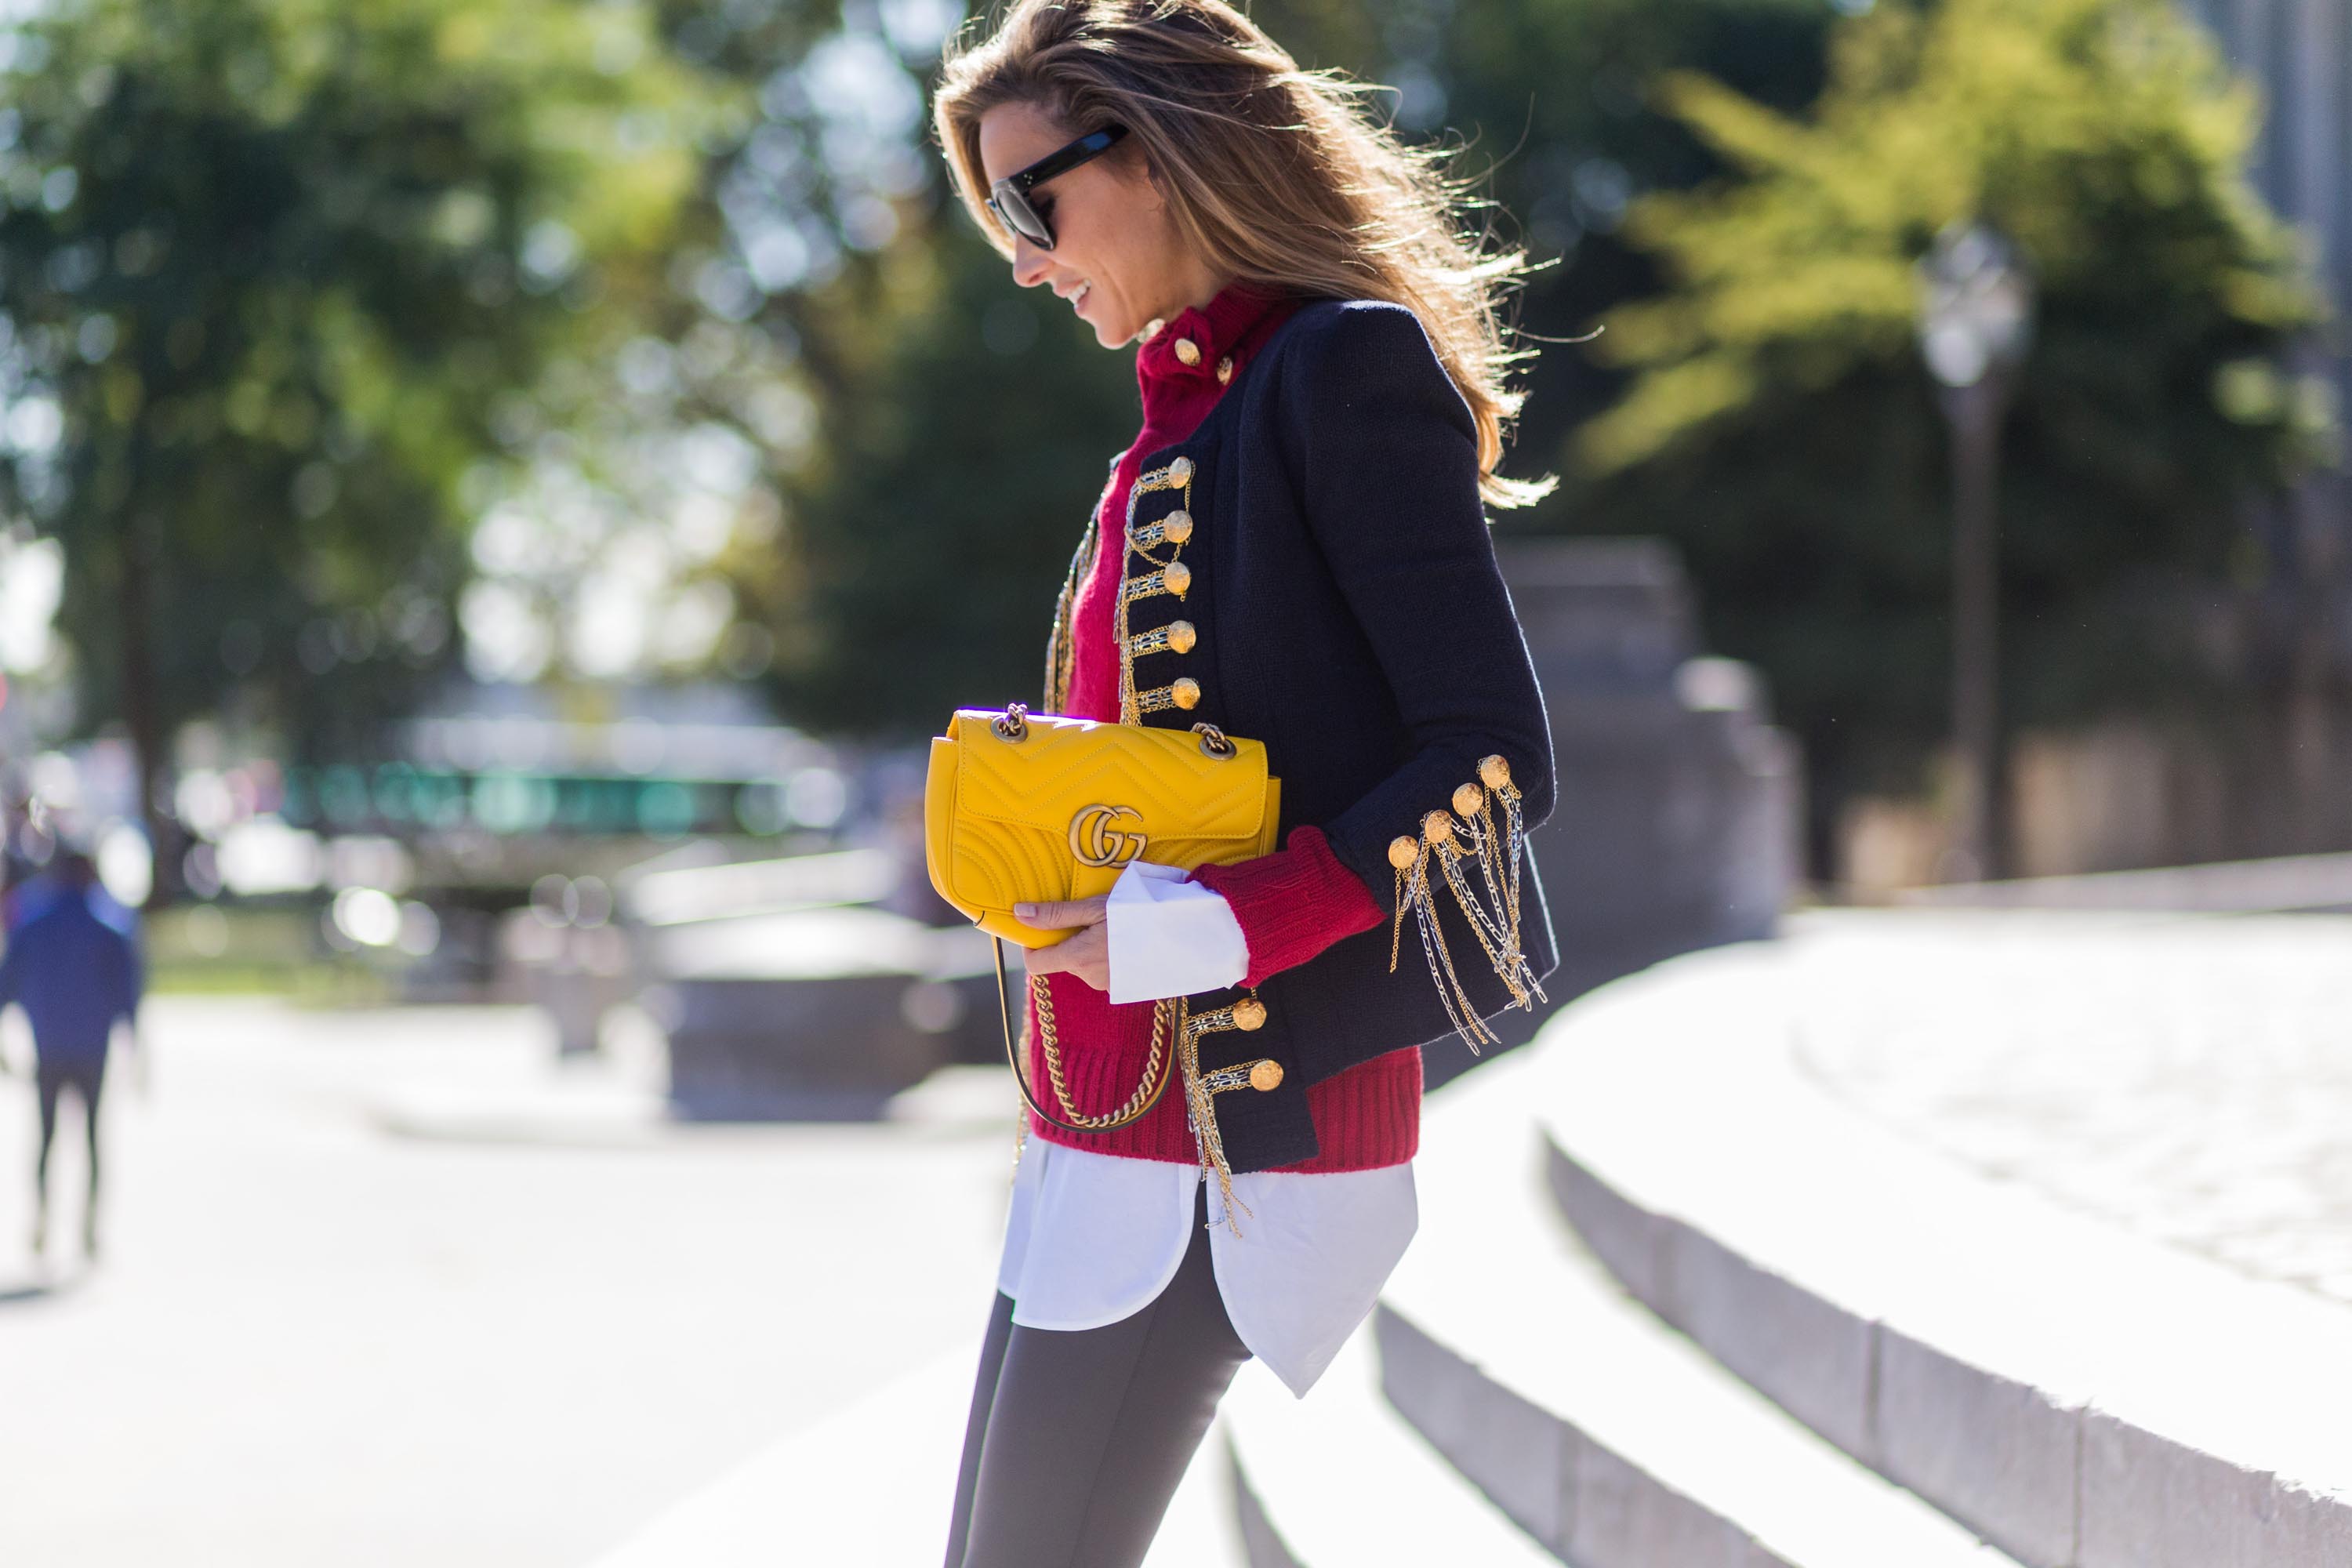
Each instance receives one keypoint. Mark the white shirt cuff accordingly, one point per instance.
(1168, 937)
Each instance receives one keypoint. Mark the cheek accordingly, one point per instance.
(1115, 262)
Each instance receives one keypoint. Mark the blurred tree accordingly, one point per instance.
(1781, 428)
(1557, 96)
(276, 277)
(963, 426)
(958, 430)
(926, 544)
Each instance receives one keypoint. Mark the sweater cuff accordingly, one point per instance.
(1293, 903)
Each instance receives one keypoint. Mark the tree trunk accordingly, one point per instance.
(142, 708)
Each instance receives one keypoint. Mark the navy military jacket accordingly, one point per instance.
(1349, 613)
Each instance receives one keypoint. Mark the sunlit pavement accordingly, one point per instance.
(2187, 1078)
(394, 1287)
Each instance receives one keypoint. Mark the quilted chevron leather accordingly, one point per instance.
(997, 813)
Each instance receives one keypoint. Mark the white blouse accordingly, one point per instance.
(1091, 1237)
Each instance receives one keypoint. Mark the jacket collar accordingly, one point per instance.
(1221, 335)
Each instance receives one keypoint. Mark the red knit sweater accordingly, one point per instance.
(1290, 905)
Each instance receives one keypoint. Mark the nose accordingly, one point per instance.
(1031, 262)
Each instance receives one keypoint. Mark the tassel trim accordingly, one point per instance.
(1436, 858)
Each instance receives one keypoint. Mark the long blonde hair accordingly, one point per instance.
(1273, 173)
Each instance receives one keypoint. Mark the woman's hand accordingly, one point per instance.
(1086, 955)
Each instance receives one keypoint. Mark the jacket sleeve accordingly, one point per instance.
(1383, 452)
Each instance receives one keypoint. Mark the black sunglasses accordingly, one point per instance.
(1009, 197)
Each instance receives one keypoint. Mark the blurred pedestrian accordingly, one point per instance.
(75, 972)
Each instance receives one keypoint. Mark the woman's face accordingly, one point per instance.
(1113, 236)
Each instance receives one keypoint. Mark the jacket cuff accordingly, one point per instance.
(1293, 903)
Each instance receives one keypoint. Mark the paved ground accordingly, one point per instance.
(2201, 1097)
(384, 1289)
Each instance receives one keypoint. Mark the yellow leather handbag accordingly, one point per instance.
(1020, 807)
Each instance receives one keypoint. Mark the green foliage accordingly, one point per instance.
(1779, 425)
(1554, 95)
(919, 571)
(285, 267)
(966, 426)
(315, 286)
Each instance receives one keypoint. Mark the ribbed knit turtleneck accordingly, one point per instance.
(1290, 904)
(1176, 397)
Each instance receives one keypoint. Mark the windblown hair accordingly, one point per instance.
(1275, 175)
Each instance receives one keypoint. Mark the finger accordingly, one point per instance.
(1071, 950)
(1089, 957)
(1086, 955)
(1059, 914)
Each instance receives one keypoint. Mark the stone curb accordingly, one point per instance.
(1998, 1458)
(1261, 1546)
(1598, 1429)
(1342, 1479)
(1544, 1474)
(2077, 1395)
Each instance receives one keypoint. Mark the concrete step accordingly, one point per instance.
(2084, 1395)
(1339, 1480)
(1604, 1433)
(875, 1484)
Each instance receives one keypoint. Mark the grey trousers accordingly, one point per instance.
(1077, 1438)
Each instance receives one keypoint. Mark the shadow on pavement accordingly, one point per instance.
(19, 1292)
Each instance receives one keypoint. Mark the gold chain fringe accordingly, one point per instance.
(1494, 918)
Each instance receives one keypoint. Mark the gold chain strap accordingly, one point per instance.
(1146, 1092)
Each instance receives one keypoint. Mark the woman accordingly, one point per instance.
(1293, 550)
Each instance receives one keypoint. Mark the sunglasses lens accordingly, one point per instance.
(1017, 214)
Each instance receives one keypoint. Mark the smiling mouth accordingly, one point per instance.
(1079, 295)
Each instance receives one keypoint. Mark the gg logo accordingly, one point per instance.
(1098, 840)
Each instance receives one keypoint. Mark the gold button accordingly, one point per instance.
(1265, 1076)
(1494, 772)
(1176, 527)
(1188, 351)
(1224, 370)
(1178, 577)
(1185, 692)
(1151, 328)
(1437, 827)
(1468, 799)
(1180, 636)
(1182, 469)
(1401, 850)
(1249, 1012)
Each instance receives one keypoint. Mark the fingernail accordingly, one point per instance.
(1023, 911)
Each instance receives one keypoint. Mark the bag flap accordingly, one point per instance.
(1064, 765)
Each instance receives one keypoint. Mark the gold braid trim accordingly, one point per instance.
(1172, 575)
(1060, 657)
(1201, 1088)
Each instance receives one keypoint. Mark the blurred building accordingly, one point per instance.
(2299, 52)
